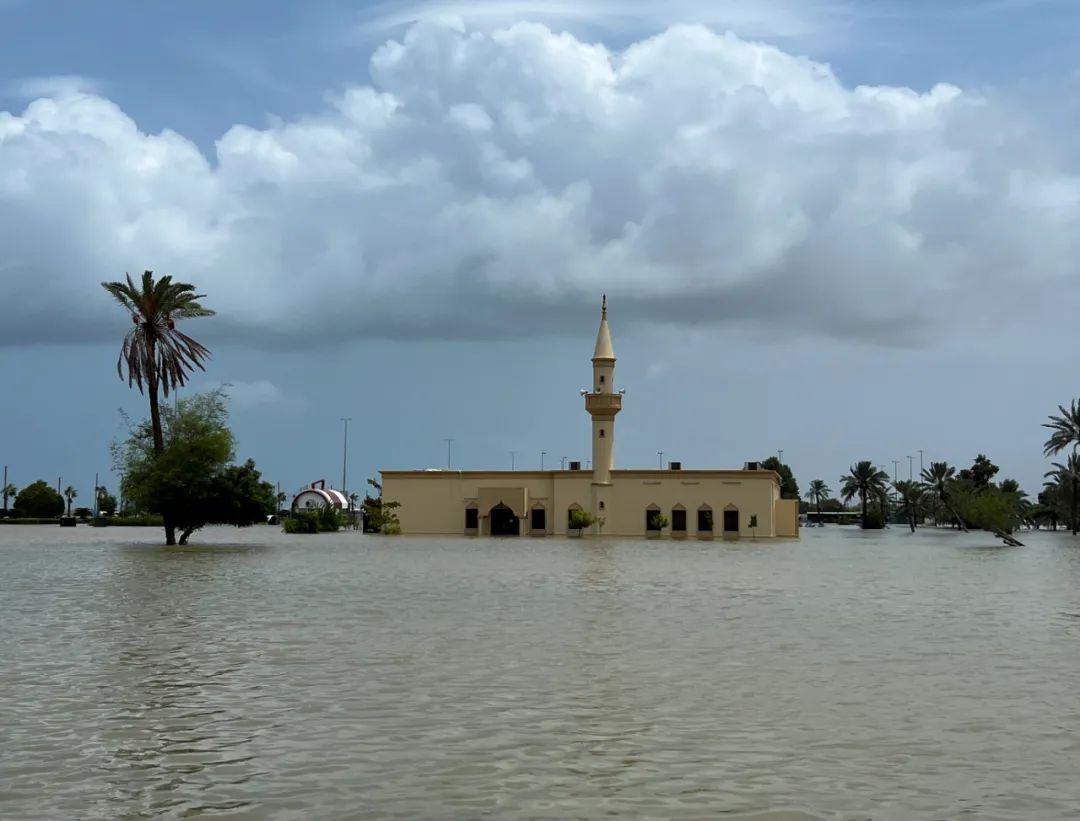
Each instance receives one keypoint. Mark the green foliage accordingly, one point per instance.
(865, 481)
(658, 521)
(580, 519)
(191, 483)
(326, 519)
(8, 491)
(1066, 429)
(980, 473)
(83, 512)
(873, 520)
(39, 501)
(380, 516)
(789, 488)
(106, 502)
(987, 508)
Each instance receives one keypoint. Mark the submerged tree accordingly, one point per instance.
(865, 481)
(911, 495)
(191, 482)
(1066, 477)
(818, 493)
(70, 494)
(938, 479)
(1066, 433)
(155, 355)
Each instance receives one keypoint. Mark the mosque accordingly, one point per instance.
(674, 502)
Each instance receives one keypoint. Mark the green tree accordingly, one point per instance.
(911, 495)
(38, 500)
(580, 519)
(1065, 433)
(1066, 475)
(865, 481)
(789, 488)
(106, 502)
(192, 481)
(939, 478)
(70, 494)
(818, 493)
(154, 354)
(980, 473)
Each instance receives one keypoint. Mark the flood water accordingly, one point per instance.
(848, 675)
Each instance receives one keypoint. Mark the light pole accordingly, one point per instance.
(543, 453)
(345, 462)
(449, 442)
(780, 456)
(660, 453)
(513, 457)
(909, 476)
(920, 463)
(895, 462)
(564, 463)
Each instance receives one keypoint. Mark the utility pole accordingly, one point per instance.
(909, 476)
(895, 462)
(921, 468)
(345, 462)
(449, 442)
(543, 453)
(96, 511)
(513, 457)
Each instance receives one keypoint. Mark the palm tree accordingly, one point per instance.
(818, 492)
(154, 353)
(1066, 432)
(70, 493)
(9, 491)
(1068, 475)
(937, 478)
(863, 480)
(912, 494)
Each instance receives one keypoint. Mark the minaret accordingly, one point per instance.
(603, 403)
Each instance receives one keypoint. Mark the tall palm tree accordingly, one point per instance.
(9, 492)
(818, 492)
(70, 493)
(155, 354)
(911, 493)
(1067, 475)
(863, 480)
(1066, 432)
(937, 478)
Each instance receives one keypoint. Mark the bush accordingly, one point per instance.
(83, 512)
(38, 501)
(580, 519)
(658, 521)
(321, 520)
(873, 520)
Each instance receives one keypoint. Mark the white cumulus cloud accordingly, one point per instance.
(493, 183)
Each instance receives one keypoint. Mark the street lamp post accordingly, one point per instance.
(513, 457)
(345, 462)
(920, 462)
(780, 456)
(449, 442)
(660, 453)
(563, 463)
(909, 476)
(543, 453)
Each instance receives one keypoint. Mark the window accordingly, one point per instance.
(601, 505)
(601, 379)
(678, 520)
(538, 519)
(601, 433)
(472, 518)
(652, 519)
(704, 521)
(731, 521)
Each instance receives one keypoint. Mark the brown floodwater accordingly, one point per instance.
(848, 675)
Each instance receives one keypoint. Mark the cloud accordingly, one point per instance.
(259, 394)
(491, 184)
(53, 86)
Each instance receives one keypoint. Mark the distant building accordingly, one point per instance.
(318, 496)
(700, 504)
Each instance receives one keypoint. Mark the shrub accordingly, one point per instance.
(38, 501)
(580, 519)
(321, 520)
(873, 520)
(658, 521)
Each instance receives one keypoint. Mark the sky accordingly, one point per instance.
(841, 229)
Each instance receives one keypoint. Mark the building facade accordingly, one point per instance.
(696, 504)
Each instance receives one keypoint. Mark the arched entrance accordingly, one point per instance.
(503, 521)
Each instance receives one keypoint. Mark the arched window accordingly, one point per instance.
(538, 518)
(731, 519)
(704, 519)
(678, 519)
(601, 379)
(652, 516)
(601, 433)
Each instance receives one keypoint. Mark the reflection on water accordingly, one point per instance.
(849, 675)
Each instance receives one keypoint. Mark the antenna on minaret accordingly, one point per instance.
(603, 307)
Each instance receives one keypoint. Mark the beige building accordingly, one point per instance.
(696, 504)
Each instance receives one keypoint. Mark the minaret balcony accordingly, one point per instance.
(603, 405)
